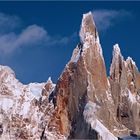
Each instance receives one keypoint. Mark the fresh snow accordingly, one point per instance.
(76, 55)
(36, 89)
(7, 69)
(102, 130)
(131, 97)
(90, 117)
(131, 60)
(49, 80)
(116, 49)
(85, 45)
(6, 104)
(26, 107)
(116, 52)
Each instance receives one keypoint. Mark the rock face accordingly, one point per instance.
(125, 85)
(84, 103)
(84, 83)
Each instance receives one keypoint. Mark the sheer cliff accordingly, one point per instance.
(85, 103)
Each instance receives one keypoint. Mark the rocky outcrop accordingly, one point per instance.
(84, 103)
(124, 79)
(87, 98)
(84, 85)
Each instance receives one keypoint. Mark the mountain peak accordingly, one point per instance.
(49, 80)
(116, 49)
(130, 60)
(6, 69)
(88, 27)
(6, 72)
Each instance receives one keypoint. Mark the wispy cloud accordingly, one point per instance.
(32, 35)
(105, 19)
(8, 22)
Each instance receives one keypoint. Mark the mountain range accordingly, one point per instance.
(85, 103)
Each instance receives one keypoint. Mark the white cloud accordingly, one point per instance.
(33, 35)
(105, 19)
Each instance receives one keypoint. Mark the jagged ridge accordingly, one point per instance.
(84, 103)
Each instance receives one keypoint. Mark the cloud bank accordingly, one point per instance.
(32, 35)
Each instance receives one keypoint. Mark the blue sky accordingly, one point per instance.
(37, 38)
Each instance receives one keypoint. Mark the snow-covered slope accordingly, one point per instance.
(91, 118)
(24, 109)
